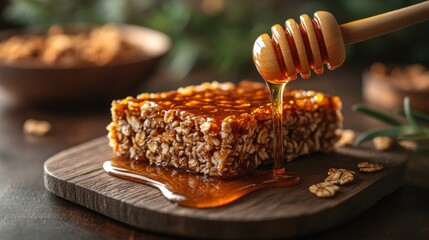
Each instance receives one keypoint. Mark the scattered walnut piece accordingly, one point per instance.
(324, 189)
(369, 167)
(382, 143)
(347, 137)
(410, 145)
(36, 128)
(340, 176)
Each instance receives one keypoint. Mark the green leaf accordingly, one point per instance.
(370, 134)
(410, 131)
(419, 116)
(363, 108)
(414, 133)
(413, 137)
(407, 111)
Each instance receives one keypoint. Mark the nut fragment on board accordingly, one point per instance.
(410, 145)
(382, 143)
(369, 167)
(340, 176)
(324, 189)
(36, 127)
(347, 137)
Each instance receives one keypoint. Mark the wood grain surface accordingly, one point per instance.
(76, 174)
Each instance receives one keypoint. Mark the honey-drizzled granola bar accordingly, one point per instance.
(220, 129)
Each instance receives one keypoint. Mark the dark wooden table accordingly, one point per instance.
(29, 211)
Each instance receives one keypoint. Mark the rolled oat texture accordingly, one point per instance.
(220, 129)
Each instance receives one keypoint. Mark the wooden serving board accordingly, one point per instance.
(76, 174)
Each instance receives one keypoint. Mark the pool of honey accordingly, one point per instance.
(193, 190)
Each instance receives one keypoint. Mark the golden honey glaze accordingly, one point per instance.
(245, 98)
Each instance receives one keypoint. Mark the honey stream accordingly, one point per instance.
(276, 94)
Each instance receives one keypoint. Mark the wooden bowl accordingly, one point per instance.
(41, 84)
(388, 96)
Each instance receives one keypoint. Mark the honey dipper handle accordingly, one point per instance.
(371, 27)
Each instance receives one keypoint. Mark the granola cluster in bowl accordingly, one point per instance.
(76, 62)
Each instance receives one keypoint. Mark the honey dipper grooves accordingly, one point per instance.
(220, 129)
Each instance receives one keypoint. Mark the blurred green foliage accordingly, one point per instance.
(219, 34)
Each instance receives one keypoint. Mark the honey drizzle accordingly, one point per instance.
(276, 93)
(192, 190)
(276, 88)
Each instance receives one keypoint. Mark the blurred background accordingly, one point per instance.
(219, 34)
(212, 39)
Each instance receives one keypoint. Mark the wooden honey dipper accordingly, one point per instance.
(315, 42)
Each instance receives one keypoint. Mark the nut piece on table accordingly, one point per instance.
(347, 137)
(324, 189)
(369, 167)
(36, 128)
(410, 145)
(340, 176)
(382, 143)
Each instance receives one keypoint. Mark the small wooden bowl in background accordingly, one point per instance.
(385, 94)
(41, 84)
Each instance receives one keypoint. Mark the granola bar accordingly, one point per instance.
(220, 129)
